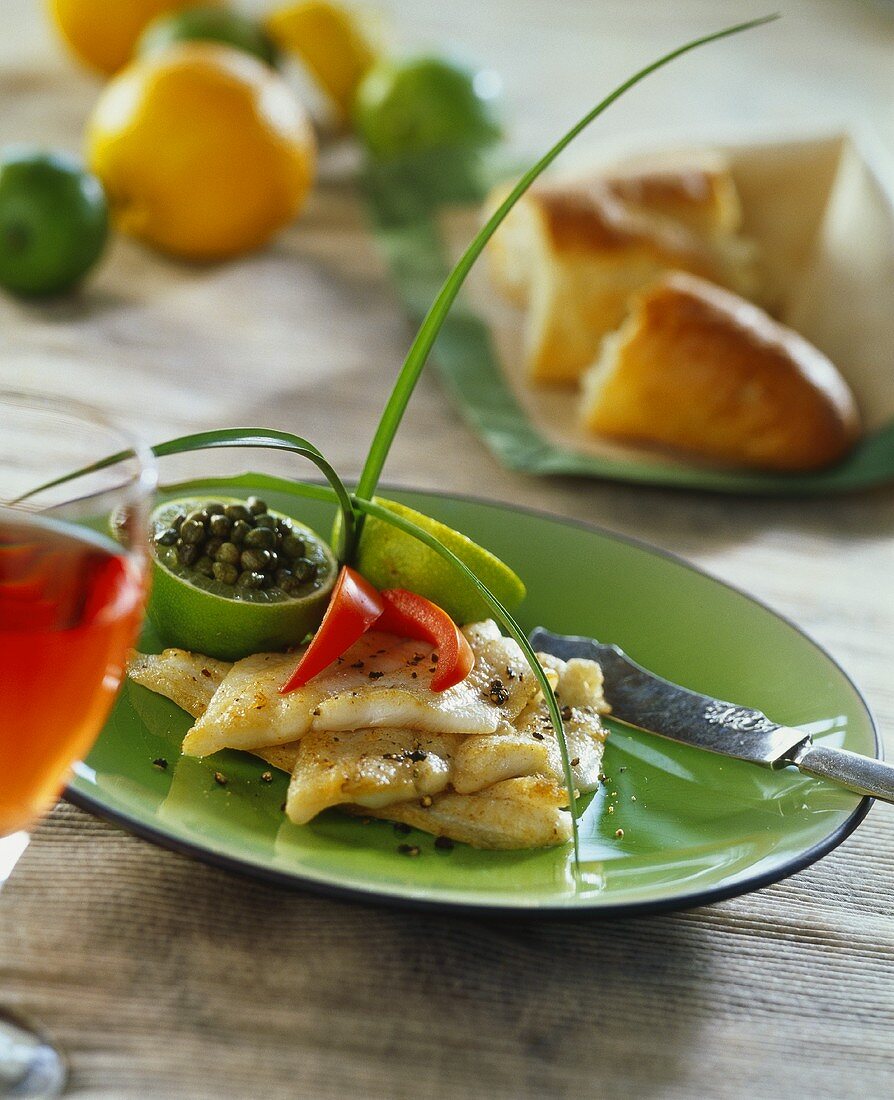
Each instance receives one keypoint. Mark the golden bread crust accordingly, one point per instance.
(699, 369)
(574, 253)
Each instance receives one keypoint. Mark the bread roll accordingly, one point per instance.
(698, 369)
(703, 197)
(575, 253)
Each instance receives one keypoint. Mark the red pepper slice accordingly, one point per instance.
(354, 607)
(414, 616)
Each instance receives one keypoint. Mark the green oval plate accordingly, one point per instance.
(696, 827)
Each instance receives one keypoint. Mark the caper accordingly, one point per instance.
(255, 560)
(225, 572)
(236, 512)
(219, 525)
(274, 560)
(282, 575)
(177, 521)
(228, 554)
(214, 508)
(212, 546)
(239, 531)
(249, 579)
(197, 516)
(192, 532)
(304, 570)
(205, 566)
(261, 537)
(256, 506)
(264, 519)
(186, 554)
(284, 526)
(293, 546)
(167, 537)
(291, 585)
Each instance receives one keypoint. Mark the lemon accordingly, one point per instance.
(416, 105)
(389, 558)
(207, 24)
(203, 615)
(53, 221)
(102, 34)
(328, 40)
(203, 151)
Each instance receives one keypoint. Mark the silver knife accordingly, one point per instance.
(641, 699)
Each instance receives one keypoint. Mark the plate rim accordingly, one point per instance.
(376, 895)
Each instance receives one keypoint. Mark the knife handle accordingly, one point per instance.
(858, 773)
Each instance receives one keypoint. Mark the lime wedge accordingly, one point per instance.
(389, 558)
(202, 613)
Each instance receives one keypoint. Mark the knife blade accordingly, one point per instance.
(648, 702)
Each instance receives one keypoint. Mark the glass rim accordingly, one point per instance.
(143, 481)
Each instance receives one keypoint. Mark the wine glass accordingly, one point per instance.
(73, 581)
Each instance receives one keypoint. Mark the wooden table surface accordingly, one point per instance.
(163, 977)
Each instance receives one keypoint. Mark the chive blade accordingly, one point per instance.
(267, 438)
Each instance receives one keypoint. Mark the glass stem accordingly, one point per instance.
(29, 1065)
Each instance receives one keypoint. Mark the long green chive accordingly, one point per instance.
(431, 325)
(267, 438)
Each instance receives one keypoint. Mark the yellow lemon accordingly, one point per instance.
(328, 40)
(103, 34)
(203, 151)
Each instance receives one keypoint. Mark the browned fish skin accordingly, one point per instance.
(479, 763)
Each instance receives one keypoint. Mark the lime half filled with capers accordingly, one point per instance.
(231, 577)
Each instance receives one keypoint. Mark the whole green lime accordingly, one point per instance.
(425, 103)
(207, 601)
(390, 558)
(207, 25)
(53, 221)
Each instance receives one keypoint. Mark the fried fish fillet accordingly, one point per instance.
(378, 768)
(517, 813)
(486, 769)
(370, 767)
(187, 679)
(381, 682)
(531, 748)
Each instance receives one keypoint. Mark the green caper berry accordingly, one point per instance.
(239, 531)
(274, 560)
(290, 585)
(293, 546)
(192, 532)
(304, 570)
(167, 537)
(236, 512)
(255, 560)
(177, 521)
(261, 537)
(186, 554)
(250, 579)
(214, 508)
(212, 546)
(225, 572)
(196, 516)
(256, 506)
(205, 566)
(219, 525)
(282, 575)
(264, 519)
(228, 554)
(284, 526)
